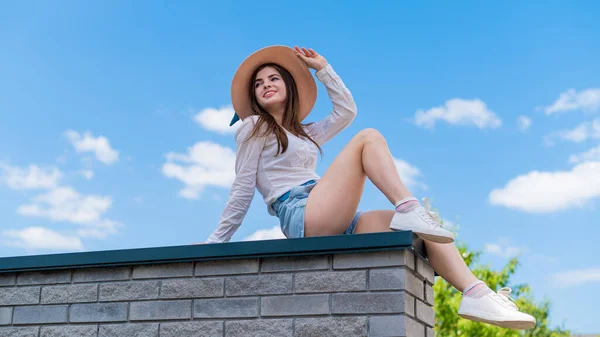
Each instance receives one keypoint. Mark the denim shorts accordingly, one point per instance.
(291, 212)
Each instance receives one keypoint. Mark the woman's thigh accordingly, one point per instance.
(333, 202)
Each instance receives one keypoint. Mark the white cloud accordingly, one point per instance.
(99, 229)
(576, 277)
(217, 119)
(457, 111)
(503, 248)
(32, 238)
(87, 174)
(544, 192)
(205, 164)
(409, 174)
(524, 123)
(581, 133)
(592, 154)
(266, 234)
(65, 204)
(32, 177)
(100, 146)
(587, 100)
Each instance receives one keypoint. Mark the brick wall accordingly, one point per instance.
(386, 293)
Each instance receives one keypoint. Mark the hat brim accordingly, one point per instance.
(234, 119)
(285, 57)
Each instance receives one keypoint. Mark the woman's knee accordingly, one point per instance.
(370, 134)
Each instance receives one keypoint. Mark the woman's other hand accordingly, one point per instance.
(311, 58)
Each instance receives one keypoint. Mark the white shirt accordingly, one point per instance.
(256, 165)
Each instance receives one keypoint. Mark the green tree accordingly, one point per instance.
(447, 300)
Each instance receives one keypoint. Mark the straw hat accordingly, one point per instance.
(285, 57)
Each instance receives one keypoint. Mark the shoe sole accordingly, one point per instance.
(516, 325)
(435, 238)
(427, 236)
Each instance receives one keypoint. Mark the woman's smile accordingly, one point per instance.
(269, 93)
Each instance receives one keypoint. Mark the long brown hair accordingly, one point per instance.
(290, 116)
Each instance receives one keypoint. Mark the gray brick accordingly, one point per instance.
(369, 303)
(101, 274)
(399, 325)
(331, 327)
(425, 313)
(337, 281)
(129, 330)
(70, 294)
(192, 329)
(294, 263)
(226, 267)
(409, 304)
(396, 279)
(163, 270)
(259, 328)
(6, 315)
(425, 270)
(69, 331)
(20, 296)
(429, 332)
(160, 310)
(192, 288)
(19, 332)
(98, 312)
(40, 314)
(374, 259)
(44, 277)
(259, 285)
(7, 280)
(296, 305)
(226, 307)
(429, 295)
(387, 279)
(129, 291)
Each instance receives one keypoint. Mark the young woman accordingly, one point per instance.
(272, 92)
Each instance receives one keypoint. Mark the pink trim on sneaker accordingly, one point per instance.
(477, 289)
(406, 205)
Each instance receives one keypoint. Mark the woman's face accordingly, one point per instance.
(269, 89)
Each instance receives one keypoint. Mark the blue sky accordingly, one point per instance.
(112, 118)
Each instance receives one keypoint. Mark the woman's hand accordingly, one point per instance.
(311, 58)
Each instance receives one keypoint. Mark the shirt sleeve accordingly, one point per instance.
(344, 107)
(242, 191)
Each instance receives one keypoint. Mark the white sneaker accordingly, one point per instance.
(496, 308)
(423, 222)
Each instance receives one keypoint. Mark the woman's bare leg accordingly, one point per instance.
(445, 259)
(374, 222)
(333, 202)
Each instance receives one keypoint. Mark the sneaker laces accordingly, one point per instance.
(434, 217)
(504, 295)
